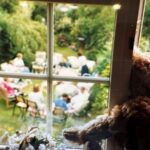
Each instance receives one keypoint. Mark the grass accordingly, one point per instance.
(65, 51)
(7, 120)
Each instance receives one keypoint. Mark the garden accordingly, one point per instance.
(23, 29)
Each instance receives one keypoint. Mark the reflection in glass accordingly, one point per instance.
(83, 40)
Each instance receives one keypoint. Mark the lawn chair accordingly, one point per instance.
(21, 104)
(59, 115)
(39, 65)
(32, 108)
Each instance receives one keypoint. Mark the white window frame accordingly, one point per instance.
(49, 77)
(126, 22)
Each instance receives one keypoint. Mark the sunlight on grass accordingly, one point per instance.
(8, 121)
(65, 51)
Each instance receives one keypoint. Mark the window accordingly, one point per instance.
(44, 67)
(144, 43)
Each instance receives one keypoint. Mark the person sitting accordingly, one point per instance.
(6, 90)
(79, 101)
(62, 102)
(37, 96)
(19, 63)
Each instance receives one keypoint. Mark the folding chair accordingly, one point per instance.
(33, 108)
(21, 104)
(59, 115)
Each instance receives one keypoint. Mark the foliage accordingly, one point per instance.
(146, 23)
(145, 39)
(39, 12)
(22, 35)
(96, 32)
(33, 39)
(103, 64)
(8, 6)
(62, 28)
(83, 22)
(5, 40)
(92, 55)
(106, 71)
(98, 98)
(144, 44)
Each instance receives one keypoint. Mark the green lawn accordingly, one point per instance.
(65, 51)
(12, 123)
(8, 121)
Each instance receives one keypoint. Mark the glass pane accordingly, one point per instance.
(145, 35)
(22, 104)
(83, 40)
(23, 37)
(75, 104)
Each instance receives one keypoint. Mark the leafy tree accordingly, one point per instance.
(62, 28)
(39, 12)
(5, 41)
(83, 22)
(22, 35)
(8, 6)
(96, 32)
(146, 23)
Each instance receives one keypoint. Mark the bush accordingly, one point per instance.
(23, 35)
(99, 98)
(92, 55)
(8, 6)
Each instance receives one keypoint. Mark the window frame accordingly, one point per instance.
(49, 77)
(122, 54)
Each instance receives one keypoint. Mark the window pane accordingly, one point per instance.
(77, 103)
(83, 40)
(145, 36)
(26, 105)
(23, 37)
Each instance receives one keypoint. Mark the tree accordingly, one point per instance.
(22, 35)
(146, 23)
(84, 23)
(39, 12)
(145, 39)
(5, 41)
(8, 6)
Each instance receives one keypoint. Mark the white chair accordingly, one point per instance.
(57, 58)
(39, 65)
(74, 62)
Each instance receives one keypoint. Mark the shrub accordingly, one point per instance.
(21, 34)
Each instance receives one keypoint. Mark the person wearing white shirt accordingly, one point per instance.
(79, 101)
(18, 61)
(37, 96)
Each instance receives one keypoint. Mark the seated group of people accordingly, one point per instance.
(8, 91)
(73, 65)
(74, 104)
(15, 65)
